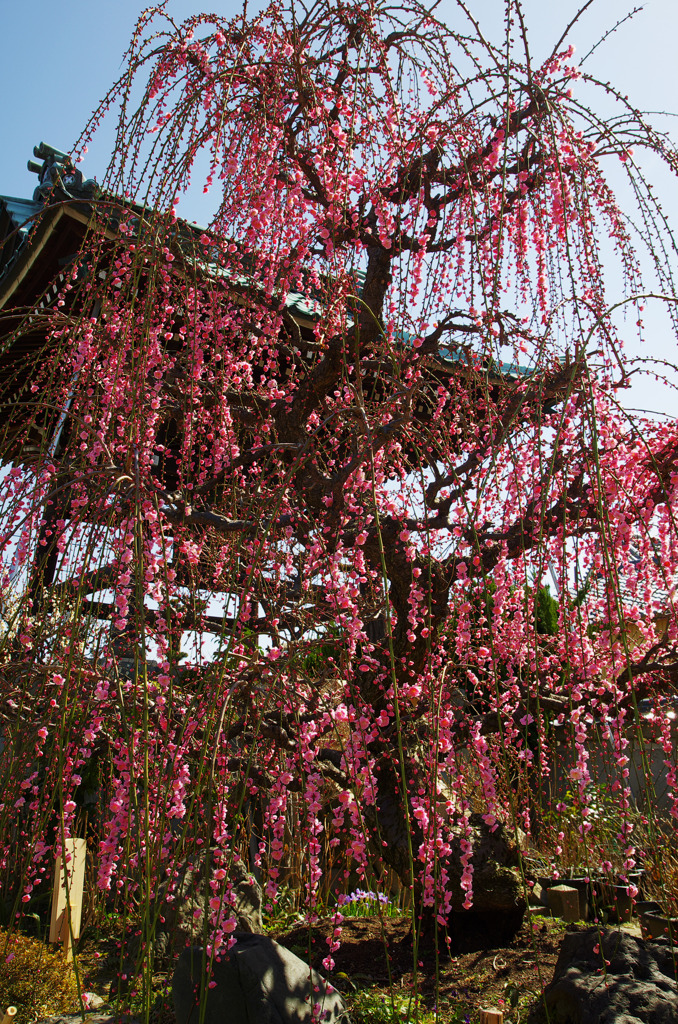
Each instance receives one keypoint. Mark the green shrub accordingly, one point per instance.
(34, 978)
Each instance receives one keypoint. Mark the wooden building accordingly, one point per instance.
(49, 238)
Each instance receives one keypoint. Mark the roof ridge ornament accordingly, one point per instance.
(57, 170)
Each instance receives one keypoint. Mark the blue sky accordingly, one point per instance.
(58, 61)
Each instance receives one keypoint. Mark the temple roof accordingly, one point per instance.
(17, 217)
(20, 211)
(19, 220)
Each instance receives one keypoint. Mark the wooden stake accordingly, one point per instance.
(65, 937)
(69, 879)
(9, 1015)
(491, 1016)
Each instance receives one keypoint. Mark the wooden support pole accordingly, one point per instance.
(491, 1016)
(65, 937)
(9, 1015)
(69, 879)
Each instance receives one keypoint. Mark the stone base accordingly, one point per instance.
(563, 902)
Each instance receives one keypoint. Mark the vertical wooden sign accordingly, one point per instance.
(69, 880)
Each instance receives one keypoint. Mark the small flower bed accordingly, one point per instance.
(362, 903)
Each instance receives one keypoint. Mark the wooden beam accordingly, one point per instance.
(30, 255)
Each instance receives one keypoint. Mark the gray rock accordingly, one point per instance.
(498, 896)
(179, 914)
(92, 1001)
(497, 884)
(257, 982)
(91, 1017)
(182, 911)
(639, 985)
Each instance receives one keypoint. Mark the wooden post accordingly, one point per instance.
(564, 902)
(9, 1015)
(69, 879)
(491, 1016)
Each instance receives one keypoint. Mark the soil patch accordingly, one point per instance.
(376, 954)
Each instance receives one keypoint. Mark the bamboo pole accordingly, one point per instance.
(9, 1015)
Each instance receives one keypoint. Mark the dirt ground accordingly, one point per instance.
(376, 955)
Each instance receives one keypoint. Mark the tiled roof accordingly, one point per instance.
(17, 217)
(639, 586)
(20, 212)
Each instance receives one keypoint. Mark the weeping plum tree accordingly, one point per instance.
(280, 494)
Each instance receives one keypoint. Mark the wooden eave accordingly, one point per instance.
(59, 229)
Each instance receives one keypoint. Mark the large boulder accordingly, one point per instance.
(496, 881)
(637, 986)
(257, 982)
(498, 894)
(181, 919)
(179, 913)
